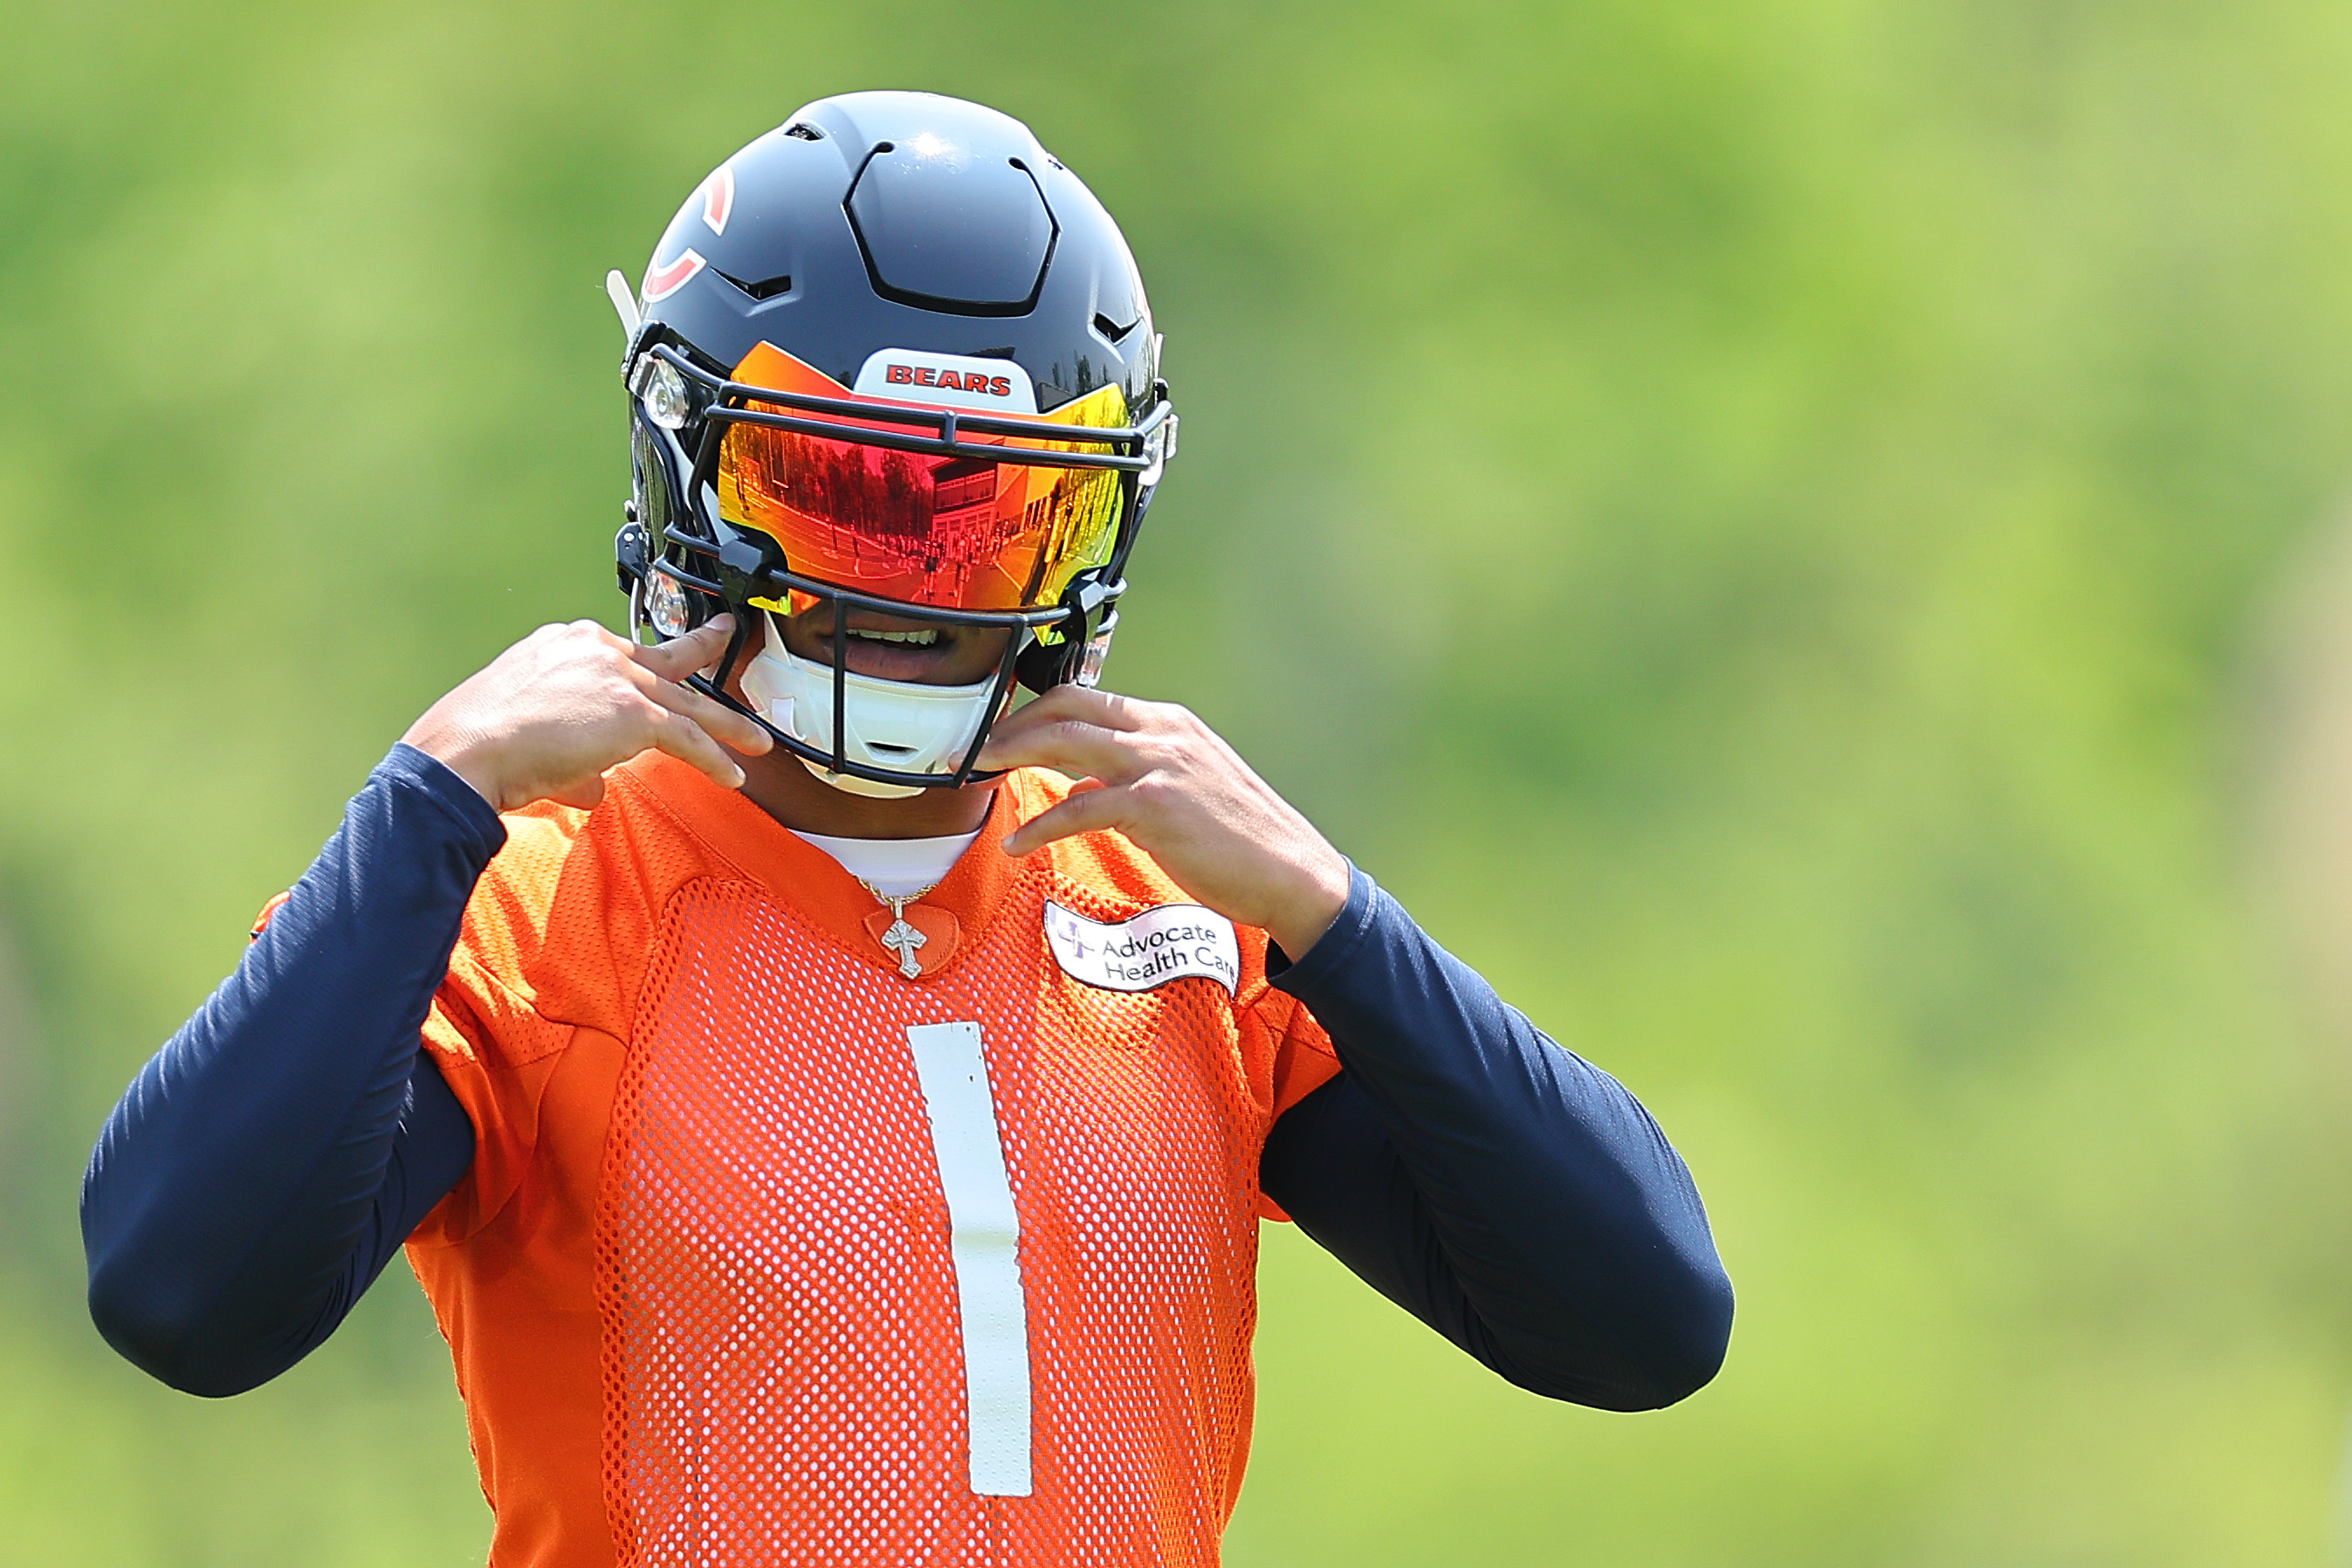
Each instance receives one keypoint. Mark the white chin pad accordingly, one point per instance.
(889, 724)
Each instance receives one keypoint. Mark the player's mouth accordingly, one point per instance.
(896, 647)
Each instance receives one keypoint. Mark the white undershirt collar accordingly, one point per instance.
(897, 868)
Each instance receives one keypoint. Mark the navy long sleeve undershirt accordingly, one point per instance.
(1502, 1190)
(263, 1168)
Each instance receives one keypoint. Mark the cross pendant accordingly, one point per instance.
(903, 940)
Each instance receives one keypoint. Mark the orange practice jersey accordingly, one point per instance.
(770, 1253)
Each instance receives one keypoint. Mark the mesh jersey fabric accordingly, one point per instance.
(701, 1285)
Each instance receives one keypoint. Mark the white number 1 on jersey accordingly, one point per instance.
(984, 1245)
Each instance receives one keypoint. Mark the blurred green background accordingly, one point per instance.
(1754, 516)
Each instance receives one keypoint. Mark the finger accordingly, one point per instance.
(681, 657)
(1059, 720)
(1071, 745)
(687, 740)
(1088, 810)
(722, 722)
(584, 794)
(1085, 704)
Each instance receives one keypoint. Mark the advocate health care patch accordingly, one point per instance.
(1168, 942)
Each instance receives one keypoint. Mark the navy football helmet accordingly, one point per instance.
(890, 356)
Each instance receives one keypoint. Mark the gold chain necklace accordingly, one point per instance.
(901, 939)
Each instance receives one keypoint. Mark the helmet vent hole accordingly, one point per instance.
(802, 130)
(888, 750)
(1102, 323)
(764, 289)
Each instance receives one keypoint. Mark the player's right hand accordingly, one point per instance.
(548, 716)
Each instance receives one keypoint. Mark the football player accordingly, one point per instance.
(826, 1134)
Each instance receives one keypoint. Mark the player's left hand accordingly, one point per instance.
(1170, 784)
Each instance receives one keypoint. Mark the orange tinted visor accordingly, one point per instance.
(950, 533)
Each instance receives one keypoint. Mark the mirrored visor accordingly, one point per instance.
(953, 532)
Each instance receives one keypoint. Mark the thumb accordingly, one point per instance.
(584, 795)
